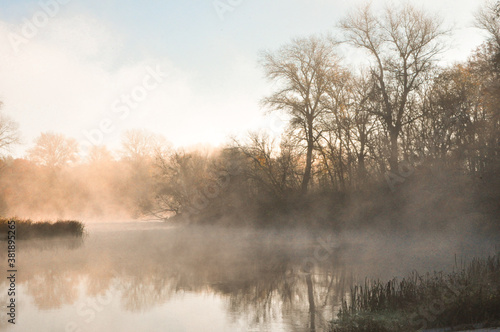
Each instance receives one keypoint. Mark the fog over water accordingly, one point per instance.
(156, 277)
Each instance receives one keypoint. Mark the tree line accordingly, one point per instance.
(396, 134)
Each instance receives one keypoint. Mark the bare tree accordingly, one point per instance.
(488, 19)
(139, 153)
(403, 45)
(272, 164)
(9, 132)
(334, 146)
(181, 182)
(54, 150)
(141, 145)
(302, 70)
(364, 124)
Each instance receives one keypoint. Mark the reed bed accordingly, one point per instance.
(466, 298)
(28, 229)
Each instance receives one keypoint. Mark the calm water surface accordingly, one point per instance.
(155, 277)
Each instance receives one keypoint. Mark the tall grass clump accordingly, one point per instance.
(465, 298)
(27, 229)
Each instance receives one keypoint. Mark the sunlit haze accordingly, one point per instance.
(71, 73)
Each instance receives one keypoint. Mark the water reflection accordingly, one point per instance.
(52, 289)
(260, 275)
(263, 277)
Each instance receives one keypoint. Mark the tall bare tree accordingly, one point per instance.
(403, 44)
(302, 69)
(486, 63)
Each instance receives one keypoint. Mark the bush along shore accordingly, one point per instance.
(28, 229)
(467, 298)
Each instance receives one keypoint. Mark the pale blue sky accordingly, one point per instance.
(67, 77)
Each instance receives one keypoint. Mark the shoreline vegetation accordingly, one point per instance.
(28, 229)
(467, 298)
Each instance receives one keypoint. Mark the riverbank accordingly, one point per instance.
(467, 298)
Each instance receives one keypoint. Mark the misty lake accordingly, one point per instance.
(156, 277)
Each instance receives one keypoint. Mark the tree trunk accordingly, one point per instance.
(393, 158)
(361, 167)
(307, 170)
(312, 305)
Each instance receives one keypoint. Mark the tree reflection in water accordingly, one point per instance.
(260, 274)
